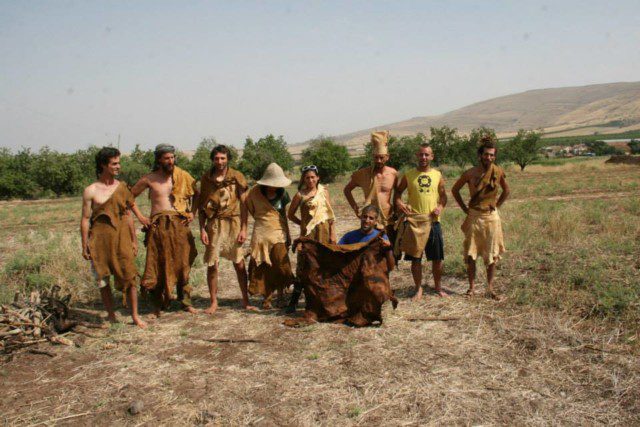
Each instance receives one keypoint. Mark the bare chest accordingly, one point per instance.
(160, 189)
(102, 194)
(385, 182)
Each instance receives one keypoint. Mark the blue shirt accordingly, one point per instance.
(357, 236)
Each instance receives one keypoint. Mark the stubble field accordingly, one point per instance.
(561, 349)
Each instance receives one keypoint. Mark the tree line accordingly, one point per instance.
(29, 174)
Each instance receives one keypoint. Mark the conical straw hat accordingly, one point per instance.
(380, 141)
(274, 176)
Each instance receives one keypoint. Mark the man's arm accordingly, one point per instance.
(442, 198)
(244, 216)
(84, 222)
(347, 194)
(138, 213)
(505, 191)
(397, 197)
(455, 190)
(194, 204)
(140, 186)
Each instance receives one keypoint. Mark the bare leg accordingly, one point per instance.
(436, 266)
(416, 272)
(191, 309)
(471, 275)
(241, 272)
(184, 296)
(266, 303)
(107, 300)
(212, 283)
(132, 296)
(491, 271)
(280, 299)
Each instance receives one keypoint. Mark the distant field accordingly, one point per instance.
(573, 140)
(563, 348)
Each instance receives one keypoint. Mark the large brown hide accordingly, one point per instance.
(344, 282)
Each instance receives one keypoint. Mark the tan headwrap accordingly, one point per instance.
(380, 142)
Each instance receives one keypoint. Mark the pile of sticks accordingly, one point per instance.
(39, 318)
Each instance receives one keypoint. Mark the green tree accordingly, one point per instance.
(131, 170)
(57, 172)
(601, 148)
(442, 141)
(142, 157)
(524, 148)
(256, 156)
(16, 180)
(332, 159)
(634, 145)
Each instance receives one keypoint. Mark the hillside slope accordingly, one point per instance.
(604, 108)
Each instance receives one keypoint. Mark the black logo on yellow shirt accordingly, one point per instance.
(424, 182)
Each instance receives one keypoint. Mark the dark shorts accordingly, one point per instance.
(434, 249)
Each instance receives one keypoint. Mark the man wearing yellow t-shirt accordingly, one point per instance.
(427, 197)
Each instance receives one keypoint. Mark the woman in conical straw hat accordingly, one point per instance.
(269, 268)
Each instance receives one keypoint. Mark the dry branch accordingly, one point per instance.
(231, 340)
(40, 317)
(433, 319)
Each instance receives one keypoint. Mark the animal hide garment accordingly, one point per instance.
(344, 282)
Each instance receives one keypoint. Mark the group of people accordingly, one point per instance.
(223, 203)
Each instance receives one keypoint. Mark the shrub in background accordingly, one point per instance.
(332, 159)
(256, 156)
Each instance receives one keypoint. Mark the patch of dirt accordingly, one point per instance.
(455, 360)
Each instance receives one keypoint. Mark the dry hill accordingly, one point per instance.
(605, 108)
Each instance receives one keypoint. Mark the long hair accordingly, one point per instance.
(103, 157)
(301, 184)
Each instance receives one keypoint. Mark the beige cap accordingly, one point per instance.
(273, 176)
(380, 142)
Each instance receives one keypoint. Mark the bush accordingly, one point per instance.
(601, 148)
(634, 145)
(257, 156)
(331, 159)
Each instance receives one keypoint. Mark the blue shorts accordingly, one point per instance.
(434, 249)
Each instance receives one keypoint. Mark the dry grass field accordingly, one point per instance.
(561, 349)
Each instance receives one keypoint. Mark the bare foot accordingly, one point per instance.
(156, 313)
(112, 318)
(417, 295)
(251, 308)
(492, 295)
(191, 309)
(141, 324)
(212, 309)
(441, 293)
(471, 293)
(266, 305)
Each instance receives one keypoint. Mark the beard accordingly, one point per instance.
(167, 168)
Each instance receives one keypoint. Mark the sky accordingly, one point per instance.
(81, 73)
